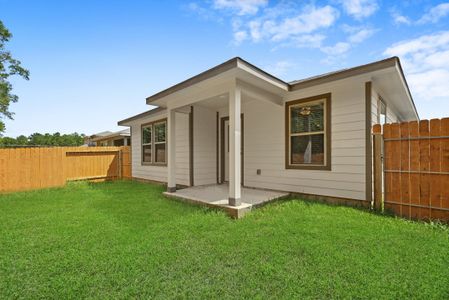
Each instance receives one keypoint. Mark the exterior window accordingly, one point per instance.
(146, 144)
(308, 133)
(154, 142)
(159, 142)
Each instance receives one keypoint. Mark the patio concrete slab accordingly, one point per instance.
(217, 196)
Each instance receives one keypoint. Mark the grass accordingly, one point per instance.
(123, 240)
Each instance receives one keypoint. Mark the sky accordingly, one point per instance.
(93, 62)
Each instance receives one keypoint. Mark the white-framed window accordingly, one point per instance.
(308, 133)
(154, 141)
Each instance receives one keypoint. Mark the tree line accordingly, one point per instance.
(47, 139)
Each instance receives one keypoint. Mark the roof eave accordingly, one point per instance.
(148, 113)
(226, 66)
(407, 88)
(351, 72)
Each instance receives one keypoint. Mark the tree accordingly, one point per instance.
(8, 67)
(21, 140)
(47, 139)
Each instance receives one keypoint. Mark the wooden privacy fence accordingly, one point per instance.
(35, 168)
(413, 179)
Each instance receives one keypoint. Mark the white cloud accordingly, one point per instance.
(435, 14)
(360, 9)
(337, 49)
(399, 19)
(426, 63)
(423, 44)
(202, 12)
(310, 19)
(356, 36)
(292, 24)
(309, 40)
(359, 35)
(241, 7)
(254, 29)
(279, 68)
(430, 84)
(240, 36)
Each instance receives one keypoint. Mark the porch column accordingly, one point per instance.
(171, 151)
(234, 146)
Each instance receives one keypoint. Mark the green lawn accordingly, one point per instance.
(123, 239)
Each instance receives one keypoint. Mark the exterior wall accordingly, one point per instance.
(159, 173)
(204, 143)
(264, 145)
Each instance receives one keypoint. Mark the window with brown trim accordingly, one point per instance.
(308, 133)
(154, 141)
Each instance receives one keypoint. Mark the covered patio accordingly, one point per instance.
(222, 90)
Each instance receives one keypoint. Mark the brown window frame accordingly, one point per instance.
(153, 143)
(327, 133)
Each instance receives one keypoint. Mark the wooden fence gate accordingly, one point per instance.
(35, 168)
(411, 169)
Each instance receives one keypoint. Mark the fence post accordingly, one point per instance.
(378, 172)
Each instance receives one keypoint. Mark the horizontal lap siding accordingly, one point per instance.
(204, 137)
(265, 146)
(159, 173)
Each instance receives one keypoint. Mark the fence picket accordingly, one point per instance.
(445, 162)
(405, 166)
(416, 169)
(34, 168)
(424, 165)
(435, 166)
(414, 166)
(396, 165)
(387, 166)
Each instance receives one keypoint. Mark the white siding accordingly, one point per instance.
(264, 146)
(204, 141)
(159, 173)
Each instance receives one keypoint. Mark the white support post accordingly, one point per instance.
(171, 157)
(235, 146)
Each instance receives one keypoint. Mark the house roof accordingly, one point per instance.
(235, 62)
(122, 133)
(227, 65)
(103, 133)
(344, 73)
(141, 115)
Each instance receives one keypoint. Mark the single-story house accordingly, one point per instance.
(239, 125)
(108, 138)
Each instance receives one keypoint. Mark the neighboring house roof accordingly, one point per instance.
(103, 133)
(238, 62)
(122, 133)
